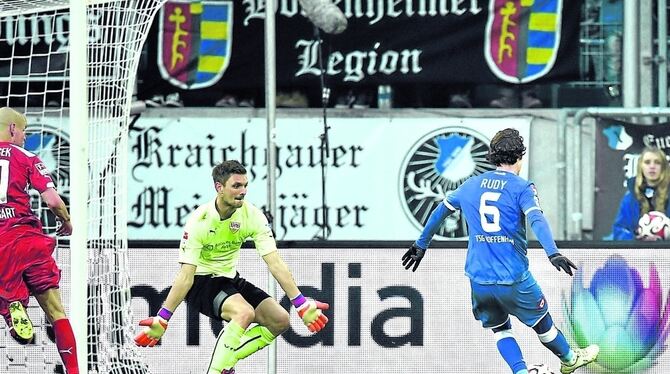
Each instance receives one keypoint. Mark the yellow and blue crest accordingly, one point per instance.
(195, 42)
(522, 38)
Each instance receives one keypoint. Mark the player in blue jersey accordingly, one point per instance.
(496, 205)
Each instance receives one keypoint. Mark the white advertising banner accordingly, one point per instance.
(384, 319)
(383, 175)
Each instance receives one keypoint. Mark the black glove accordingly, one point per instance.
(561, 262)
(413, 256)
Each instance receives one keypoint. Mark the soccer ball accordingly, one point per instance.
(539, 369)
(654, 224)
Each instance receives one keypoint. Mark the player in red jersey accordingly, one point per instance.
(26, 263)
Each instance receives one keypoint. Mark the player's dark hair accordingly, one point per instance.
(224, 170)
(506, 148)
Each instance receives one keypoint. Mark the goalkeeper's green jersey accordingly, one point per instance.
(213, 244)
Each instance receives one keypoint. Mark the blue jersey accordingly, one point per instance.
(495, 205)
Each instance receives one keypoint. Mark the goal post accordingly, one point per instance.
(70, 66)
(79, 178)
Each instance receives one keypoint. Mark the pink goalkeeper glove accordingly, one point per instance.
(154, 330)
(311, 312)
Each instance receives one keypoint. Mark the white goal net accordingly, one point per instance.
(34, 78)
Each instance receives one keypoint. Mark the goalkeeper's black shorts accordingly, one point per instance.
(208, 293)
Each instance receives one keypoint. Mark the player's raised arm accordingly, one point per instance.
(154, 327)
(412, 258)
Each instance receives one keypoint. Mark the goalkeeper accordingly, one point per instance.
(208, 254)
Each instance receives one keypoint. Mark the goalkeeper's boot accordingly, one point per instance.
(325, 15)
(19, 324)
(582, 357)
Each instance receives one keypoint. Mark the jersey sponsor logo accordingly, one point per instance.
(492, 239)
(41, 168)
(194, 42)
(234, 226)
(522, 38)
(436, 165)
(68, 351)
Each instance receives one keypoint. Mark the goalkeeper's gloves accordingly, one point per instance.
(154, 330)
(561, 262)
(413, 256)
(311, 312)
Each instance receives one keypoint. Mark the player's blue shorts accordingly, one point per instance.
(493, 303)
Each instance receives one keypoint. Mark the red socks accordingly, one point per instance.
(67, 348)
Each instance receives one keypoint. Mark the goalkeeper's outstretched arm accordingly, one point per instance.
(311, 311)
(281, 273)
(154, 327)
(180, 286)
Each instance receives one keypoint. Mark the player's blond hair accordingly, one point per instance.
(9, 116)
(661, 194)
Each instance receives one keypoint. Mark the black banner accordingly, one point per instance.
(202, 48)
(386, 42)
(618, 147)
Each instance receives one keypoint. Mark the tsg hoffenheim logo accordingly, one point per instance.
(52, 146)
(436, 165)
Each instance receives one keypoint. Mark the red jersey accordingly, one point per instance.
(19, 171)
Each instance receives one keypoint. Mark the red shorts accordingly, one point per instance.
(26, 265)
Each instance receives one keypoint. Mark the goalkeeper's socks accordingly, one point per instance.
(510, 351)
(67, 347)
(223, 356)
(254, 339)
(555, 341)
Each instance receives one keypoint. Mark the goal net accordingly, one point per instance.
(34, 78)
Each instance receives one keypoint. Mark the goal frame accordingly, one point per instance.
(79, 179)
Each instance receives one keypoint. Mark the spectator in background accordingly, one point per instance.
(611, 18)
(608, 60)
(647, 191)
(516, 97)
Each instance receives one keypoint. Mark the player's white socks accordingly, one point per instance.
(555, 341)
(510, 351)
(223, 356)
